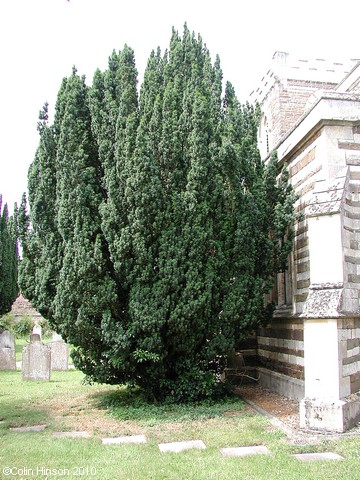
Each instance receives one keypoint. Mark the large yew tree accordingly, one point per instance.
(154, 229)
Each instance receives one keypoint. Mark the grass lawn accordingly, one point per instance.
(66, 404)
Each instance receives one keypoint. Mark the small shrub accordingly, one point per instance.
(7, 321)
(23, 326)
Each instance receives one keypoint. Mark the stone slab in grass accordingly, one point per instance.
(31, 428)
(124, 440)
(244, 451)
(180, 446)
(71, 434)
(316, 457)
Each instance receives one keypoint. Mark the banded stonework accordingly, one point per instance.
(281, 348)
(311, 350)
(349, 340)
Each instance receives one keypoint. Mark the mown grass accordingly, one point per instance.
(223, 424)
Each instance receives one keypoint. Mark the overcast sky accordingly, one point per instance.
(40, 41)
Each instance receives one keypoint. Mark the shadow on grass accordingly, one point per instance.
(124, 404)
(17, 414)
(25, 403)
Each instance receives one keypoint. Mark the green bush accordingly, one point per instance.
(7, 321)
(23, 326)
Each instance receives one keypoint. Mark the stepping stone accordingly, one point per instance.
(71, 434)
(316, 457)
(33, 428)
(243, 451)
(180, 446)
(123, 440)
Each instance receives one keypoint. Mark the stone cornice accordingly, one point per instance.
(331, 108)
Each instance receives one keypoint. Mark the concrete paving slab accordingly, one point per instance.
(71, 434)
(124, 440)
(244, 451)
(316, 457)
(180, 446)
(32, 428)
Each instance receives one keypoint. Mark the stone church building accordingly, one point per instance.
(311, 350)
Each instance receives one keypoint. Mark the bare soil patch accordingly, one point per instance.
(83, 414)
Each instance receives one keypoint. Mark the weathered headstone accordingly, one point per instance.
(7, 340)
(59, 353)
(7, 351)
(37, 328)
(35, 337)
(36, 360)
(124, 440)
(244, 451)
(56, 337)
(177, 447)
(314, 457)
(31, 428)
(72, 434)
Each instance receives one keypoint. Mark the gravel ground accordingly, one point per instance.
(284, 414)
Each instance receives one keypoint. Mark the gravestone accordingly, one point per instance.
(7, 340)
(7, 351)
(124, 440)
(37, 328)
(36, 360)
(59, 353)
(56, 337)
(177, 447)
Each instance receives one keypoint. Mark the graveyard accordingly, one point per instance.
(55, 425)
(190, 267)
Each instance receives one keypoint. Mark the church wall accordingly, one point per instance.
(349, 341)
(311, 349)
(316, 172)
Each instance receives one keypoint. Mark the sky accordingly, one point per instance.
(41, 40)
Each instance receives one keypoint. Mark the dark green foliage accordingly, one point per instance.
(133, 406)
(8, 260)
(163, 226)
(38, 275)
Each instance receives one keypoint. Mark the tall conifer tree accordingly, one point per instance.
(8, 260)
(167, 228)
